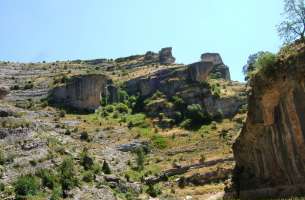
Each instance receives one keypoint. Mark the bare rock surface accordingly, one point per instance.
(270, 149)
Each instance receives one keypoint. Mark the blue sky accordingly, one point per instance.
(37, 30)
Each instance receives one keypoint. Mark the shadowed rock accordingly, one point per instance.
(270, 151)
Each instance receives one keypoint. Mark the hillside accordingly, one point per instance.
(125, 128)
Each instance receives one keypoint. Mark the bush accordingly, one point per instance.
(265, 63)
(178, 103)
(62, 113)
(84, 136)
(153, 191)
(49, 179)
(261, 61)
(140, 158)
(122, 108)
(106, 168)
(159, 141)
(186, 124)
(88, 176)
(86, 161)
(109, 108)
(26, 185)
(2, 187)
(56, 194)
(67, 175)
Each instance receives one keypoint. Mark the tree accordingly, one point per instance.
(293, 27)
(249, 67)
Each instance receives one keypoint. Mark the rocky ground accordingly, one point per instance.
(172, 163)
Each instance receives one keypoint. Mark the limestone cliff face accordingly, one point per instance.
(187, 82)
(270, 151)
(82, 92)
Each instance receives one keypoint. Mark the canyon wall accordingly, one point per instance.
(270, 151)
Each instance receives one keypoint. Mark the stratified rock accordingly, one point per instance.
(83, 92)
(3, 91)
(270, 151)
(165, 56)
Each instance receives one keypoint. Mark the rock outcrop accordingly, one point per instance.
(187, 83)
(83, 92)
(3, 92)
(220, 70)
(165, 56)
(270, 151)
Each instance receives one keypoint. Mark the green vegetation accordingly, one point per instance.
(48, 177)
(86, 161)
(261, 62)
(106, 168)
(26, 185)
(140, 158)
(292, 28)
(67, 175)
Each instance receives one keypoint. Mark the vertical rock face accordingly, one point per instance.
(165, 56)
(83, 92)
(270, 151)
(220, 70)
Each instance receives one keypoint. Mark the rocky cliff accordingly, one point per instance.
(270, 151)
(189, 83)
(83, 92)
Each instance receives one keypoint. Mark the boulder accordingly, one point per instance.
(165, 56)
(130, 147)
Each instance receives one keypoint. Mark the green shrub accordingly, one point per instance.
(67, 174)
(122, 108)
(186, 124)
(106, 168)
(86, 161)
(109, 108)
(88, 176)
(178, 103)
(48, 178)
(153, 191)
(2, 187)
(137, 120)
(56, 193)
(159, 141)
(140, 158)
(26, 185)
(265, 64)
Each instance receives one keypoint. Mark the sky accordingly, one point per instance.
(50, 30)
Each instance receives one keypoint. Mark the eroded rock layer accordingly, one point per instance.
(270, 151)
